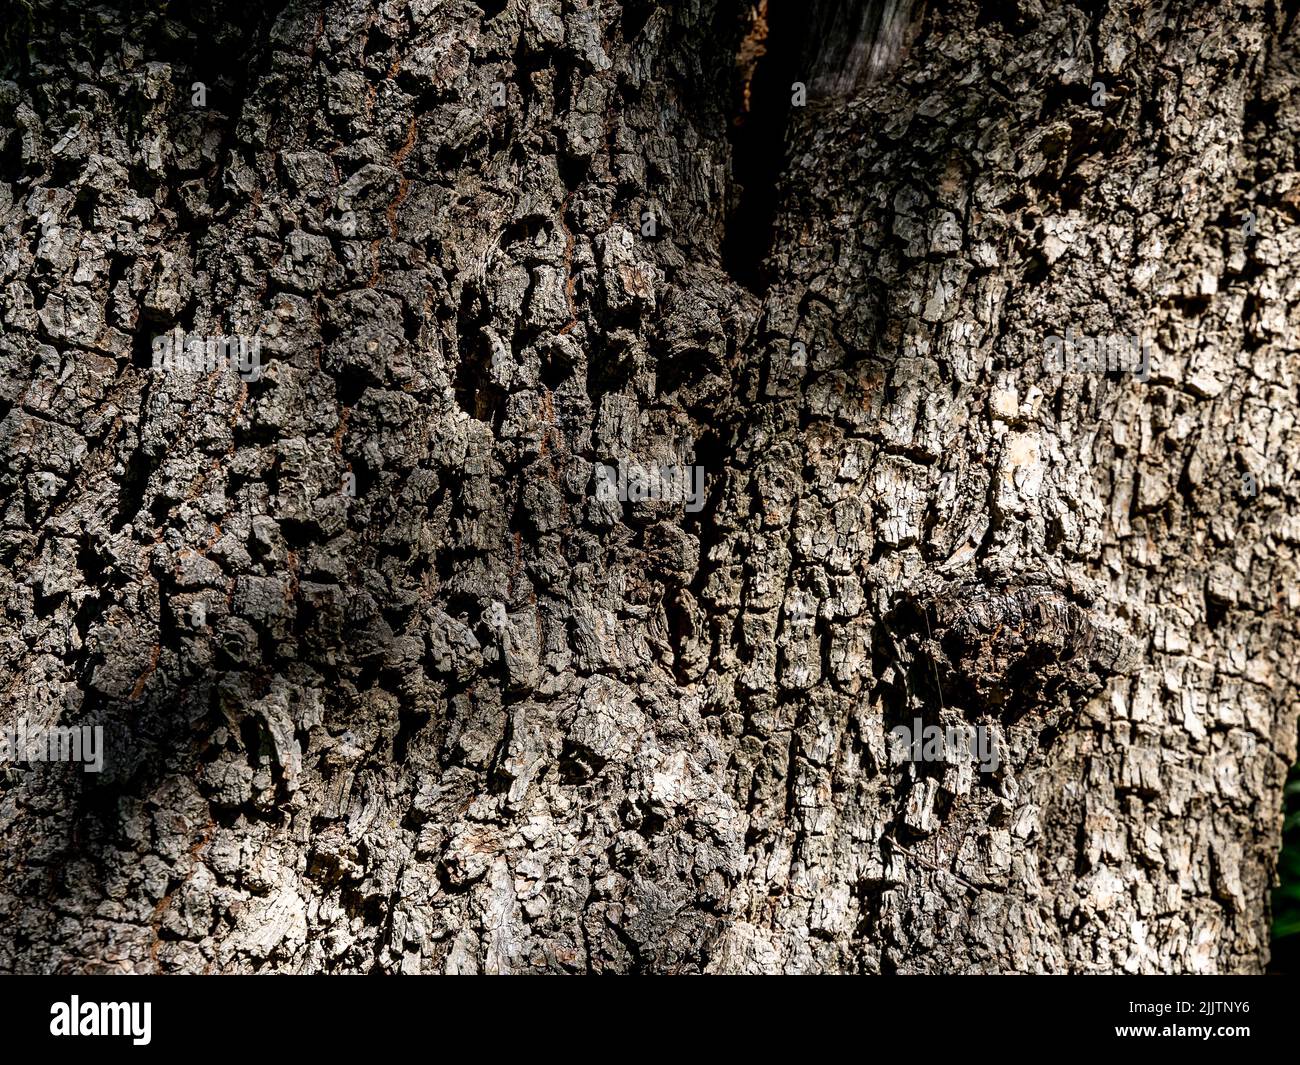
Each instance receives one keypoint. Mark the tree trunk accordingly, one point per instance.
(391, 680)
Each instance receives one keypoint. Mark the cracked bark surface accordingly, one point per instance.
(473, 718)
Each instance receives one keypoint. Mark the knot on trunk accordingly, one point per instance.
(1010, 652)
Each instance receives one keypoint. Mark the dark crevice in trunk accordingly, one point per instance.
(829, 48)
(768, 64)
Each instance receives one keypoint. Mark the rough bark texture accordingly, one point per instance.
(474, 717)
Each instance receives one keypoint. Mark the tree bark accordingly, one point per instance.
(389, 684)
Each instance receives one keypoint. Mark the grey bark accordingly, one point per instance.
(475, 717)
